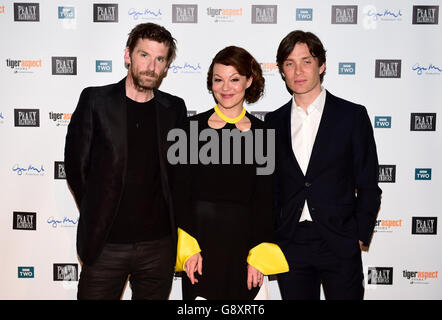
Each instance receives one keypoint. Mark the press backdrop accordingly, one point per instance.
(384, 55)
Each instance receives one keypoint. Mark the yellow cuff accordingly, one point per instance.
(268, 259)
(187, 246)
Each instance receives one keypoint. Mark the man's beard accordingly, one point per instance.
(141, 84)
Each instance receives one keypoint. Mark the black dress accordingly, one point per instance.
(228, 209)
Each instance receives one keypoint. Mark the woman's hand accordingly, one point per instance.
(254, 277)
(193, 264)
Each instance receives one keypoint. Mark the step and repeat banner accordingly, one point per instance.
(386, 55)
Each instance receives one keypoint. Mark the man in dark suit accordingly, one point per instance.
(326, 178)
(116, 166)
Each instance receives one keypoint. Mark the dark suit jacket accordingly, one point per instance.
(343, 161)
(96, 158)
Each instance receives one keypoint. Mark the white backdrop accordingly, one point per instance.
(38, 215)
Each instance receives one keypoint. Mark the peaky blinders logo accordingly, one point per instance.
(388, 68)
(424, 225)
(26, 117)
(380, 275)
(105, 12)
(184, 13)
(425, 14)
(344, 15)
(64, 66)
(264, 14)
(387, 173)
(27, 12)
(59, 173)
(65, 272)
(24, 220)
(423, 122)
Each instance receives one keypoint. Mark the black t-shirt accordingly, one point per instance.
(142, 213)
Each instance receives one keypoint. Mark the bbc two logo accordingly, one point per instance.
(103, 66)
(422, 174)
(382, 122)
(304, 14)
(66, 12)
(26, 272)
(347, 68)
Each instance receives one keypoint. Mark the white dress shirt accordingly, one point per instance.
(304, 127)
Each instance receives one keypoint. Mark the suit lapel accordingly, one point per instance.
(324, 133)
(165, 121)
(117, 118)
(287, 119)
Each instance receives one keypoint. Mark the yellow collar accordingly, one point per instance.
(227, 119)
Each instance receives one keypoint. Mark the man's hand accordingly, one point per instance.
(361, 245)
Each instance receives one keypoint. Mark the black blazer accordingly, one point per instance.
(96, 158)
(343, 161)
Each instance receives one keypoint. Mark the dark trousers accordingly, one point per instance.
(149, 266)
(312, 263)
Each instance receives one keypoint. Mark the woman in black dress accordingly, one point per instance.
(224, 208)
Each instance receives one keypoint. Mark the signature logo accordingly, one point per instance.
(65, 222)
(386, 14)
(29, 170)
(430, 69)
(185, 68)
(144, 13)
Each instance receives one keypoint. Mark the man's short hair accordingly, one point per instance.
(298, 36)
(153, 32)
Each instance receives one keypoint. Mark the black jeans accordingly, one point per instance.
(149, 266)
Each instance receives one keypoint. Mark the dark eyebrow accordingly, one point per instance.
(235, 74)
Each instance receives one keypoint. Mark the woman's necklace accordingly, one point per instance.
(227, 119)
